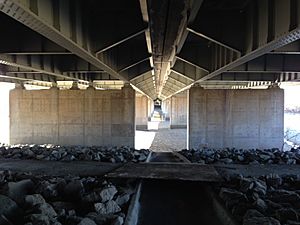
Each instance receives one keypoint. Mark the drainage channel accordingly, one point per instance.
(161, 202)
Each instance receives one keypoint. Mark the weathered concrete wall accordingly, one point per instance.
(166, 108)
(150, 107)
(141, 112)
(178, 114)
(236, 118)
(73, 117)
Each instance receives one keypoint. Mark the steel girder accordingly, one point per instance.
(60, 28)
(273, 27)
(33, 63)
(71, 40)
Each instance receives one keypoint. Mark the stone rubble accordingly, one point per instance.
(270, 200)
(43, 200)
(242, 156)
(74, 153)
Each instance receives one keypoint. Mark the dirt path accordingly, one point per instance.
(167, 139)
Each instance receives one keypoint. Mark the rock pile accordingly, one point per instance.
(271, 199)
(71, 153)
(38, 200)
(242, 156)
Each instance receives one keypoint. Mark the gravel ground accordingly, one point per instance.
(271, 199)
(242, 156)
(74, 153)
(168, 139)
(39, 200)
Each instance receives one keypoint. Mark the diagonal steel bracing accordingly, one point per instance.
(122, 41)
(213, 40)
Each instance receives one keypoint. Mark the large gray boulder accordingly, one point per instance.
(18, 190)
(108, 193)
(8, 207)
(261, 221)
(87, 221)
(109, 207)
(32, 200)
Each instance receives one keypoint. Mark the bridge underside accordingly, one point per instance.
(159, 48)
(103, 69)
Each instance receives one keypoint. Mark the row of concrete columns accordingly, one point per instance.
(228, 118)
(214, 118)
(174, 109)
(143, 108)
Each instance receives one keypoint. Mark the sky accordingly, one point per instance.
(291, 95)
(4, 111)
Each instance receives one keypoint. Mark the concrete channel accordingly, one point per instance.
(175, 202)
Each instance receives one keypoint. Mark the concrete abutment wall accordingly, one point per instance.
(236, 118)
(73, 117)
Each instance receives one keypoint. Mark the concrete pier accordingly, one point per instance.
(236, 118)
(142, 110)
(73, 117)
(178, 115)
(166, 104)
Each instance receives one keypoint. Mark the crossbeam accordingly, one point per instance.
(121, 41)
(193, 64)
(134, 64)
(182, 75)
(213, 40)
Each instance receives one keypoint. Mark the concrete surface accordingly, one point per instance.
(166, 108)
(236, 118)
(141, 112)
(178, 115)
(161, 138)
(168, 139)
(73, 117)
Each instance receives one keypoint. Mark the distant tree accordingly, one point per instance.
(293, 110)
(291, 138)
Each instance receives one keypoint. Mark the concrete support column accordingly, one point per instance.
(33, 116)
(166, 108)
(150, 108)
(73, 117)
(124, 130)
(178, 112)
(141, 112)
(236, 118)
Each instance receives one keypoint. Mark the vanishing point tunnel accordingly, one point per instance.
(88, 74)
